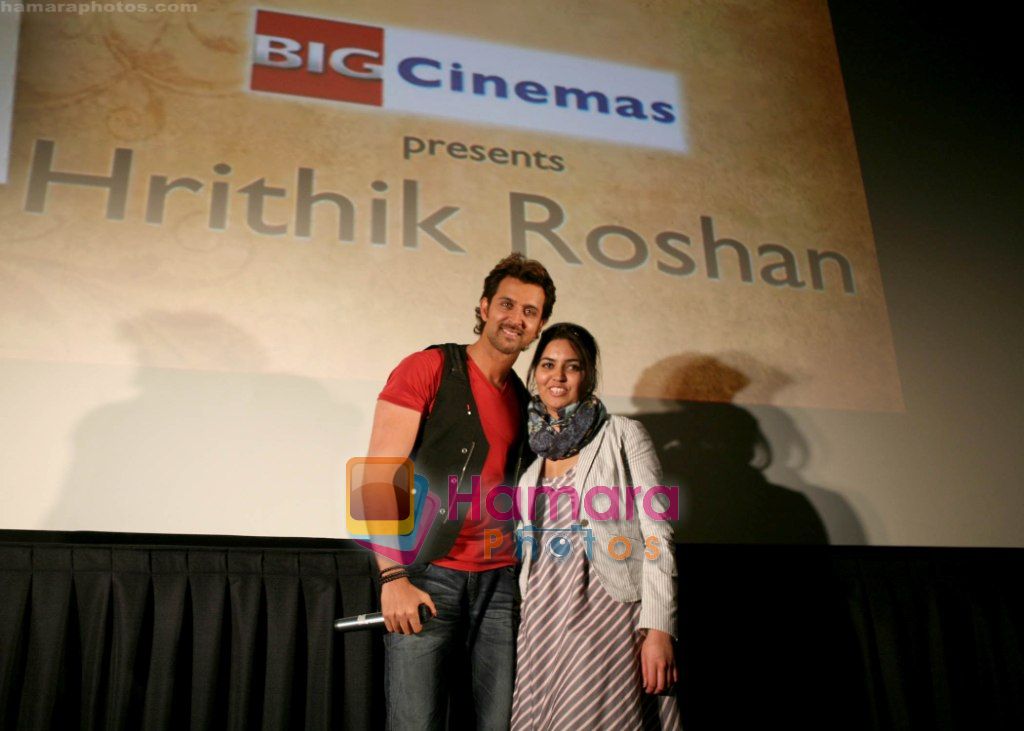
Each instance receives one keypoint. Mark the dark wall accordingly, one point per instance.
(935, 102)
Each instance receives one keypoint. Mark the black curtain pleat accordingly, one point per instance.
(359, 656)
(50, 601)
(169, 582)
(15, 584)
(91, 581)
(130, 584)
(318, 580)
(280, 576)
(240, 637)
(245, 594)
(207, 575)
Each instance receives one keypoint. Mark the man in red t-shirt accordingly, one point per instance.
(425, 410)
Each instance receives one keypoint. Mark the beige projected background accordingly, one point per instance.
(771, 160)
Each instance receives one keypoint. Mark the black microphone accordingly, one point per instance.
(372, 619)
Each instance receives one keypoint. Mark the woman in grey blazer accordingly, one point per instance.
(598, 570)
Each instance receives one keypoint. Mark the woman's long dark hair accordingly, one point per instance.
(582, 342)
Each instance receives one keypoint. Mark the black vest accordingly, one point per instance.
(451, 441)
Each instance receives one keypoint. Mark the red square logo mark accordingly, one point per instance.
(328, 59)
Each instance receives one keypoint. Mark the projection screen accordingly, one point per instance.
(224, 224)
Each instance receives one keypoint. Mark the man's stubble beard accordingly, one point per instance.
(495, 340)
(501, 347)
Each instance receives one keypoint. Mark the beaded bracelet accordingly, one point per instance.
(403, 574)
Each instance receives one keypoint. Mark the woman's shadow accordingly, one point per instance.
(717, 452)
(764, 629)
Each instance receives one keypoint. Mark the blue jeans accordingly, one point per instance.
(469, 645)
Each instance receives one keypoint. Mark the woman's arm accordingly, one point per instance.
(658, 587)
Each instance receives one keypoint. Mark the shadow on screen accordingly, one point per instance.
(218, 445)
(718, 453)
(763, 630)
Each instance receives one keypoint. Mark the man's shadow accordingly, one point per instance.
(217, 445)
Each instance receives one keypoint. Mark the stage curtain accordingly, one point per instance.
(207, 637)
(169, 638)
(833, 637)
(940, 636)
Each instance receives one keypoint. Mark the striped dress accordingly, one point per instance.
(578, 653)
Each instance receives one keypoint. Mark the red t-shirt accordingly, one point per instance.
(414, 385)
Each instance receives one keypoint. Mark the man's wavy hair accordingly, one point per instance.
(526, 270)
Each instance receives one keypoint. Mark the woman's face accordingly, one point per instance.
(558, 376)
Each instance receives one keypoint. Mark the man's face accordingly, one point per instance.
(512, 316)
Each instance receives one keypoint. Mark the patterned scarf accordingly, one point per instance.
(577, 423)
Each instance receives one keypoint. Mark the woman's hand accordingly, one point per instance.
(657, 661)
(400, 604)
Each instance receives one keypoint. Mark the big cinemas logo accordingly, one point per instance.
(415, 72)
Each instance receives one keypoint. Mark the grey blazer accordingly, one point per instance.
(619, 456)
